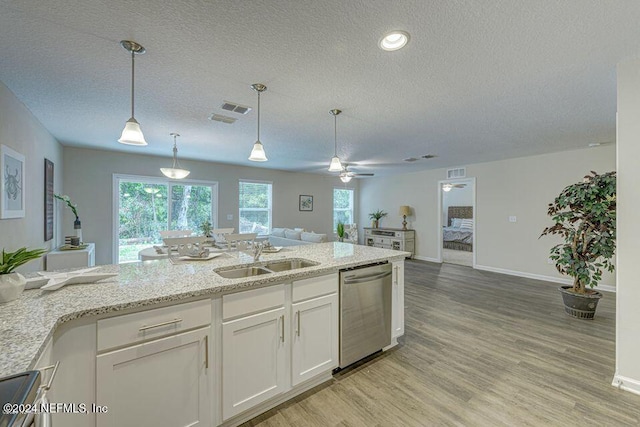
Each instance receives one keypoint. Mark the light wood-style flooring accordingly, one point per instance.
(480, 349)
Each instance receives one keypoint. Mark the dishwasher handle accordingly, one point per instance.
(360, 279)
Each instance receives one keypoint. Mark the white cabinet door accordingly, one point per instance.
(162, 383)
(315, 337)
(397, 300)
(253, 360)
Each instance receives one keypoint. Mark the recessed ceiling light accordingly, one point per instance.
(394, 40)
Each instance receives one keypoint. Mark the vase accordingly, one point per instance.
(374, 223)
(77, 225)
(11, 286)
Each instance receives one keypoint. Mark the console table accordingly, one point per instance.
(391, 238)
(57, 260)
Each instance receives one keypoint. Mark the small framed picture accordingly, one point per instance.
(305, 203)
(12, 185)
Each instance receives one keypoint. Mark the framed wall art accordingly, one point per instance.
(305, 203)
(12, 183)
(48, 200)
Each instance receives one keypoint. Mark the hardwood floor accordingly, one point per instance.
(480, 349)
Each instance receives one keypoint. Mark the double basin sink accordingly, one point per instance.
(270, 267)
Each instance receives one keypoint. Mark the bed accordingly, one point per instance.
(458, 235)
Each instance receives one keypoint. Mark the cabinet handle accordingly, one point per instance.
(206, 351)
(298, 322)
(282, 328)
(157, 325)
(395, 281)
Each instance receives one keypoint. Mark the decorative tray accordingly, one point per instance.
(72, 247)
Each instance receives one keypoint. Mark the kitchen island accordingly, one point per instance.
(86, 327)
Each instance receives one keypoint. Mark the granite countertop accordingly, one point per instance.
(27, 323)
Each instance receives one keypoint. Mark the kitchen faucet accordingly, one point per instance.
(257, 251)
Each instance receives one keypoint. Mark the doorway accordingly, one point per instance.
(457, 224)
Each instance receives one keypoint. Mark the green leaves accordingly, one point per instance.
(377, 214)
(340, 229)
(584, 215)
(12, 260)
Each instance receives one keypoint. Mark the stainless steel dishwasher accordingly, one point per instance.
(365, 311)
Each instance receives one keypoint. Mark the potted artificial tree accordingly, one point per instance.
(375, 218)
(11, 283)
(584, 215)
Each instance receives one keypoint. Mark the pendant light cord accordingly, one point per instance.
(133, 75)
(335, 135)
(258, 116)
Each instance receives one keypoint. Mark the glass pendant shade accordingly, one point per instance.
(335, 165)
(175, 171)
(132, 134)
(345, 178)
(258, 154)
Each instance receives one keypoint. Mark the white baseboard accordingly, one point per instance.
(426, 258)
(561, 280)
(627, 384)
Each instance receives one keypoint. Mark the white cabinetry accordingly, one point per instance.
(163, 375)
(397, 300)
(254, 348)
(162, 383)
(58, 260)
(314, 327)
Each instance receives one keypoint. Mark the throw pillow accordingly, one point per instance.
(313, 237)
(278, 232)
(455, 222)
(467, 223)
(292, 234)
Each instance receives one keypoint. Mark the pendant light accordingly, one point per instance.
(335, 165)
(132, 134)
(175, 171)
(258, 154)
(345, 178)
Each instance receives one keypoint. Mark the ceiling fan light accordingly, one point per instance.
(335, 165)
(257, 153)
(174, 173)
(447, 187)
(132, 134)
(345, 178)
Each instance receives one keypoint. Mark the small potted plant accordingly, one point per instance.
(584, 215)
(206, 228)
(11, 283)
(340, 231)
(376, 217)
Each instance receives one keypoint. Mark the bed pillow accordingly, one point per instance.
(313, 237)
(467, 223)
(278, 232)
(455, 222)
(292, 234)
(299, 229)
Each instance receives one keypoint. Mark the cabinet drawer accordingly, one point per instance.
(136, 327)
(314, 287)
(252, 301)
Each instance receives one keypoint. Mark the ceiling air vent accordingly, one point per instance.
(224, 119)
(456, 173)
(429, 156)
(410, 159)
(235, 108)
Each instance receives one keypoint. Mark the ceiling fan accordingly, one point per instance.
(447, 186)
(346, 174)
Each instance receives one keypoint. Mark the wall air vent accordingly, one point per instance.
(235, 108)
(456, 173)
(429, 156)
(224, 119)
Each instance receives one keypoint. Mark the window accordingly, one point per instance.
(254, 207)
(342, 206)
(146, 206)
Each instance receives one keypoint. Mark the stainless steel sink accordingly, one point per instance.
(237, 273)
(289, 264)
(270, 267)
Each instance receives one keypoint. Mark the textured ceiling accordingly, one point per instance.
(478, 81)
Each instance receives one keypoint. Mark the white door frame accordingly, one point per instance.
(472, 182)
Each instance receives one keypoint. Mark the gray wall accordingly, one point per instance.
(522, 187)
(88, 181)
(456, 197)
(22, 132)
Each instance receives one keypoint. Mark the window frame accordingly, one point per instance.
(115, 218)
(333, 205)
(270, 199)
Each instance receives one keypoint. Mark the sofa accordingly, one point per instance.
(294, 237)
